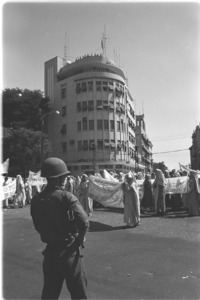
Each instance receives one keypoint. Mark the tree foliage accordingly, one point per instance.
(23, 108)
(22, 147)
(21, 118)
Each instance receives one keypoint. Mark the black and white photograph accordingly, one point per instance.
(100, 150)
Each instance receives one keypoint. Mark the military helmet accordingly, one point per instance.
(54, 167)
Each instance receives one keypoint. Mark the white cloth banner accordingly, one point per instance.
(106, 192)
(176, 185)
(108, 176)
(35, 179)
(9, 189)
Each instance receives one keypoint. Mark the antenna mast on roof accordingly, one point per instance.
(65, 47)
(103, 42)
(142, 107)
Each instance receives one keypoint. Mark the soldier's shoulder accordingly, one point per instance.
(69, 197)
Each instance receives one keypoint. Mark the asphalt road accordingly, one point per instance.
(158, 260)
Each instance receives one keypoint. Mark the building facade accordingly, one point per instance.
(195, 149)
(143, 145)
(96, 126)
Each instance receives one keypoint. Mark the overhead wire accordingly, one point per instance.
(170, 151)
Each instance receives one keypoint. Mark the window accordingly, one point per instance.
(99, 124)
(86, 167)
(85, 145)
(90, 105)
(106, 125)
(63, 92)
(78, 88)
(79, 145)
(118, 108)
(64, 111)
(111, 107)
(112, 144)
(84, 87)
(64, 147)
(90, 85)
(99, 104)
(78, 107)
(119, 146)
(79, 125)
(122, 125)
(91, 124)
(98, 85)
(100, 144)
(64, 129)
(91, 144)
(110, 86)
(118, 125)
(105, 104)
(85, 123)
(106, 144)
(71, 142)
(112, 127)
(105, 86)
(84, 106)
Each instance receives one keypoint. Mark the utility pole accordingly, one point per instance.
(94, 147)
(136, 157)
(43, 116)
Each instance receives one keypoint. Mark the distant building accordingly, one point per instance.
(195, 149)
(143, 145)
(96, 126)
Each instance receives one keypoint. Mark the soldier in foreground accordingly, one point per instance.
(62, 224)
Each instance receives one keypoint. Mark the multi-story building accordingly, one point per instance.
(195, 149)
(96, 126)
(143, 145)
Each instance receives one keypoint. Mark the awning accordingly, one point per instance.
(107, 144)
(112, 145)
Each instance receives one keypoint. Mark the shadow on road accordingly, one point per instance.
(170, 213)
(119, 210)
(96, 226)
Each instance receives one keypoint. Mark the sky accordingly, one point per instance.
(155, 43)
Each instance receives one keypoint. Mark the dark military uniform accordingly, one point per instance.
(62, 223)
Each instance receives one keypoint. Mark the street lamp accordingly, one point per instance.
(94, 147)
(42, 125)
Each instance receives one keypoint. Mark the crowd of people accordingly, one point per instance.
(154, 197)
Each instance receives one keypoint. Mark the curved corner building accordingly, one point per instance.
(96, 126)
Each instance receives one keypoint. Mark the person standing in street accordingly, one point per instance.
(20, 196)
(147, 201)
(131, 202)
(159, 195)
(62, 224)
(86, 202)
(194, 194)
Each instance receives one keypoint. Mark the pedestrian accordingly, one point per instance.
(85, 201)
(28, 189)
(175, 199)
(131, 201)
(77, 181)
(62, 224)
(69, 185)
(4, 183)
(194, 194)
(147, 200)
(159, 194)
(20, 195)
